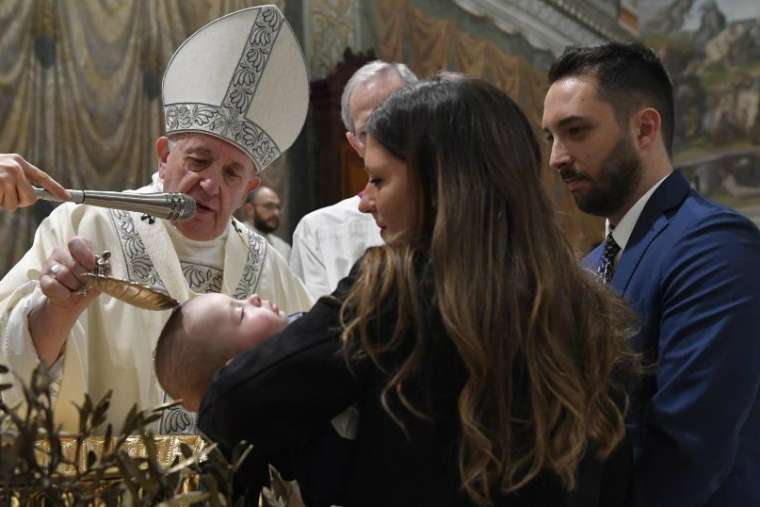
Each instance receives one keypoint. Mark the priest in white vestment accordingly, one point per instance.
(235, 96)
(328, 241)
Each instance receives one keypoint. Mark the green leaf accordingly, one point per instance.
(150, 447)
(40, 383)
(185, 450)
(92, 458)
(130, 421)
(213, 489)
(100, 410)
(110, 477)
(150, 419)
(87, 407)
(183, 464)
(167, 405)
(241, 451)
(107, 439)
(185, 499)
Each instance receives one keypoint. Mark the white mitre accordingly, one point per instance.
(241, 78)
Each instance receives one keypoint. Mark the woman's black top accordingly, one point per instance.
(281, 395)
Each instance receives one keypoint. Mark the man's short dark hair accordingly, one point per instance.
(628, 76)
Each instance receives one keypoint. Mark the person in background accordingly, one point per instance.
(480, 376)
(262, 212)
(328, 241)
(689, 267)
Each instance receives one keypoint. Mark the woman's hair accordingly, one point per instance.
(543, 344)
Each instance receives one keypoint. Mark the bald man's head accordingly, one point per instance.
(262, 209)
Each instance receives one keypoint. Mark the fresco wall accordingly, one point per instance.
(712, 50)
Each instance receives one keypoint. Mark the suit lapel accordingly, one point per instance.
(653, 220)
(594, 257)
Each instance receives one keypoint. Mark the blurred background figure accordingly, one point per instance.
(262, 212)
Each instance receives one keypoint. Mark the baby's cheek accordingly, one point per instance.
(259, 337)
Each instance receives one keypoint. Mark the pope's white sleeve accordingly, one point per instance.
(20, 294)
(17, 350)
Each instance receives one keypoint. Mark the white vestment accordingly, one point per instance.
(278, 243)
(328, 241)
(111, 344)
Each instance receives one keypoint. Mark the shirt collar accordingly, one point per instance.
(623, 230)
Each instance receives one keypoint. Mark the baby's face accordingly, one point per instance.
(243, 322)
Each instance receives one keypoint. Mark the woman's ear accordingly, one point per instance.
(355, 143)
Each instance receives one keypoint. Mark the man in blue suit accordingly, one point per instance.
(689, 267)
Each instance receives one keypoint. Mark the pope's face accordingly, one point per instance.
(215, 173)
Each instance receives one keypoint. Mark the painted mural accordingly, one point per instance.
(712, 50)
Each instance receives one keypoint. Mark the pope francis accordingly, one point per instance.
(235, 97)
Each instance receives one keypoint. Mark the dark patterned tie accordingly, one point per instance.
(606, 267)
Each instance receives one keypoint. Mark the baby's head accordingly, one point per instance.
(203, 334)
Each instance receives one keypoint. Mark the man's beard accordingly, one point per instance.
(619, 175)
(263, 226)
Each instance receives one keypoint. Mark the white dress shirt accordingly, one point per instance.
(621, 233)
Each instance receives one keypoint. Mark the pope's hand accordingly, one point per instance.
(16, 179)
(63, 281)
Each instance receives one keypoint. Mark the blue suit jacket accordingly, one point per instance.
(691, 270)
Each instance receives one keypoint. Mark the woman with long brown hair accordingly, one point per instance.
(487, 367)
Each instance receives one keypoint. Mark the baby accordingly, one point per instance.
(203, 334)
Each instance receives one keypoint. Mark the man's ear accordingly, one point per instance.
(355, 144)
(162, 152)
(648, 128)
(253, 184)
(248, 211)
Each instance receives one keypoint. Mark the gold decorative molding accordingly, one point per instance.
(332, 26)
